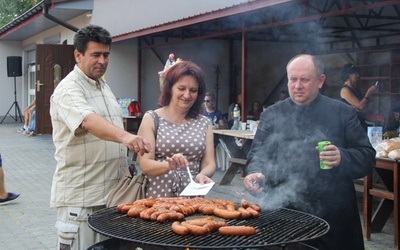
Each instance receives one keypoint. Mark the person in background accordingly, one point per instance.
(232, 106)
(265, 106)
(393, 122)
(184, 137)
(89, 139)
(31, 131)
(170, 62)
(212, 113)
(255, 111)
(283, 164)
(5, 197)
(283, 94)
(28, 111)
(352, 95)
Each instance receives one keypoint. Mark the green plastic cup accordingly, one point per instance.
(321, 146)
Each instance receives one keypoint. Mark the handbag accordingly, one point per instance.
(131, 186)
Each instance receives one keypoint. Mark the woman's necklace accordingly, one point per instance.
(173, 118)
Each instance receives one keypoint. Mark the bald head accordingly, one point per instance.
(305, 78)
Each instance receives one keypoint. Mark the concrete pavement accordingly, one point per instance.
(29, 165)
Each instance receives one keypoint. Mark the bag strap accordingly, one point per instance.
(132, 167)
(156, 121)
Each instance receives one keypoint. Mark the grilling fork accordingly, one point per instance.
(190, 174)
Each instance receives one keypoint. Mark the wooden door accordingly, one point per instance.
(53, 63)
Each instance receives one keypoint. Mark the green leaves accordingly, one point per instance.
(9, 10)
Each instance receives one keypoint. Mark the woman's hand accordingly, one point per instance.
(371, 90)
(203, 179)
(177, 161)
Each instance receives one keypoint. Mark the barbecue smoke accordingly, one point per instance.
(291, 166)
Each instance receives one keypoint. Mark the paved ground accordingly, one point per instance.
(29, 165)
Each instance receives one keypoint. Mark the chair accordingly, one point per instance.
(233, 165)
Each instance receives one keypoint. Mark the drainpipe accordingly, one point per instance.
(46, 5)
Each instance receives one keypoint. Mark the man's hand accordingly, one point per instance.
(330, 155)
(137, 144)
(253, 183)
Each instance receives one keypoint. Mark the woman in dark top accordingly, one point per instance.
(255, 111)
(393, 121)
(351, 94)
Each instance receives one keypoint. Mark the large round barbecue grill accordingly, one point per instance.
(274, 228)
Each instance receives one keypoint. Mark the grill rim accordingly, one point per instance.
(316, 227)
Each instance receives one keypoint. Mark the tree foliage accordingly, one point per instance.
(11, 9)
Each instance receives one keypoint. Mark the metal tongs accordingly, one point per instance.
(242, 192)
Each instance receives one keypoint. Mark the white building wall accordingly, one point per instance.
(7, 83)
(122, 71)
(131, 15)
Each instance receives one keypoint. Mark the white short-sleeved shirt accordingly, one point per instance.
(87, 167)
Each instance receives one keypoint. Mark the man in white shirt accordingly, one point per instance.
(89, 138)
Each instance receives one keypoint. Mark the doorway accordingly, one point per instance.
(53, 63)
(31, 83)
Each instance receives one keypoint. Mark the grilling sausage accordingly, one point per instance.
(124, 208)
(179, 229)
(206, 209)
(244, 213)
(197, 230)
(227, 214)
(200, 221)
(244, 203)
(256, 207)
(155, 215)
(254, 213)
(135, 210)
(146, 214)
(172, 215)
(209, 221)
(237, 230)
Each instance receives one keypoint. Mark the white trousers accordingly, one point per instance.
(73, 230)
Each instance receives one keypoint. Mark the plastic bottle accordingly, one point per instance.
(236, 118)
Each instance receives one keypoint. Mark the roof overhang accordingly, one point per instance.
(34, 22)
(322, 26)
(203, 17)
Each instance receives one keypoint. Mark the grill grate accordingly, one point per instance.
(274, 227)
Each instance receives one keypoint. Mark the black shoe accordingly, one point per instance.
(11, 198)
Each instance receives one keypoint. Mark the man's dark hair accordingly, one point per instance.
(91, 33)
